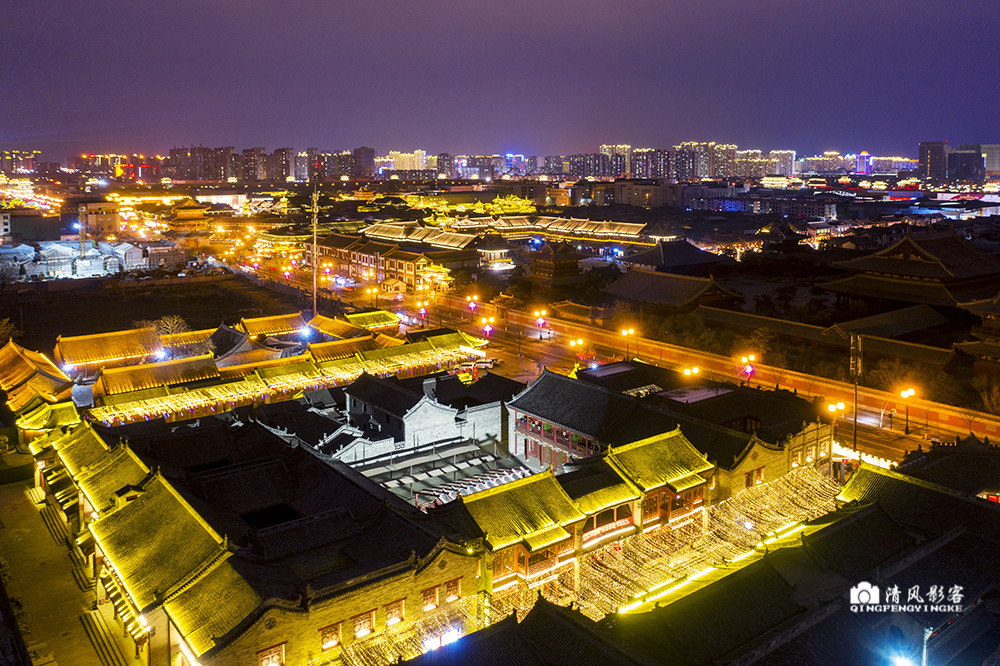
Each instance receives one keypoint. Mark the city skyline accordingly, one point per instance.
(115, 77)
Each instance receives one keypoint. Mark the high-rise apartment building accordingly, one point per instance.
(702, 154)
(303, 164)
(618, 167)
(863, 163)
(933, 160)
(343, 164)
(784, 162)
(13, 160)
(966, 162)
(686, 162)
(415, 161)
(446, 165)
(553, 165)
(222, 163)
(652, 163)
(283, 164)
(991, 159)
(254, 164)
(364, 162)
(724, 160)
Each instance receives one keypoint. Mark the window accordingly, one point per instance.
(451, 590)
(823, 448)
(272, 656)
(539, 557)
(330, 636)
(811, 453)
(711, 482)
(649, 507)
(364, 624)
(755, 476)
(796, 457)
(394, 613)
(430, 598)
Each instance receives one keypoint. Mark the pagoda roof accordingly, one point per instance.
(939, 294)
(607, 416)
(534, 510)
(667, 460)
(78, 448)
(674, 254)
(173, 340)
(46, 416)
(337, 328)
(214, 604)
(669, 289)
(120, 468)
(940, 256)
(331, 351)
(892, 324)
(386, 394)
(112, 381)
(986, 308)
(373, 319)
(25, 374)
(141, 539)
(595, 485)
(275, 325)
(128, 346)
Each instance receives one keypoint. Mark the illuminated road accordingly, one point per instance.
(523, 356)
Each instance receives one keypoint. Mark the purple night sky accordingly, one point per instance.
(533, 77)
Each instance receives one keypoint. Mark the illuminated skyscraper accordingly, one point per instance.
(254, 164)
(933, 161)
(784, 162)
(364, 162)
(282, 163)
(724, 160)
(446, 165)
(991, 159)
(625, 164)
(702, 154)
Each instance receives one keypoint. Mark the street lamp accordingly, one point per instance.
(834, 408)
(473, 301)
(747, 360)
(904, 394)
(540, 320)
(487, 325)
(691, 371)
(374, 292)
(625, 333)
(422, 305)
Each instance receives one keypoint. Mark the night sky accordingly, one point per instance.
(488, 76)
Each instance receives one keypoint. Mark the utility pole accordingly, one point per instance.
(856, 356)
(315, 253)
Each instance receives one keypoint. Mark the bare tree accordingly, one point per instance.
(7, 331)
(888, 374)
(989, 393)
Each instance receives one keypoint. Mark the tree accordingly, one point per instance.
(989, 393)
(889, 374)
(7, 331)
(785, 295)
(778, 360)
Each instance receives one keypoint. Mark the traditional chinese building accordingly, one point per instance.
(751, 435)
(667, 293)
(241, 549)
(937, 269)
(556, 265)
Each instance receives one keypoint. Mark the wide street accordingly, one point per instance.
(524, 351)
